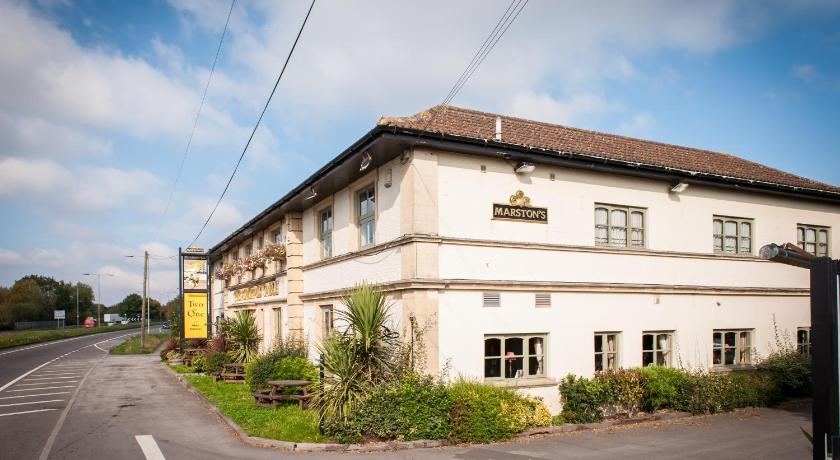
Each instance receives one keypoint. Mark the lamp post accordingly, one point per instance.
(98, 294)
(77, 304)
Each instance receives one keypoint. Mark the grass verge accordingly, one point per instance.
(286, 423)
(132, 345)
(17, 338)
(181, 369)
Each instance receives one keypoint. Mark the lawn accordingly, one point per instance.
(181, 369)
(17, 338)
(132, 345)
(286, 423)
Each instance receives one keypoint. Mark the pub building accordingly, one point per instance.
(526, 251)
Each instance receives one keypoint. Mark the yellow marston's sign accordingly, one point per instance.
(195, 315)
(255, 292)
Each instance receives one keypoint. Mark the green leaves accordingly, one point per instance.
(244, 336)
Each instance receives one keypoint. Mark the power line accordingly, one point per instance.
(251, 137)
(195, 122)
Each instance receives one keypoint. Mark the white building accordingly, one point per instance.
(530, 251)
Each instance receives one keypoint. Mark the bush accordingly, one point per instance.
(622, 392)
(214, 361)
(274, 366)
(661, 386)
(483, 413)
(582, 399)
(171, 344)
(791, 371)
(412, 407)
(198, 363)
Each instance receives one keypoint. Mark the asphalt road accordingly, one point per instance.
(37, 382)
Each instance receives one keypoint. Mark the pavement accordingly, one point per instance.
(130, 407)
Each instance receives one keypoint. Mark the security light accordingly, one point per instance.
(679, 187)
(787, 253)
(366, 159)
(524, 168)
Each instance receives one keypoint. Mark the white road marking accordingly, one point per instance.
(26, 412)
(43, 383)
(56, 374)
(45, 388)
(149, 447)
(45, 453)
(30, 379)
(44, 344)
(31, 402)
(35, 396)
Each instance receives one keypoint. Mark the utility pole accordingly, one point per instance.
(145, 298)
(77, 304)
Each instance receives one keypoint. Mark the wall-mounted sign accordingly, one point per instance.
(519, 209)
(195, 315)
(256, 292)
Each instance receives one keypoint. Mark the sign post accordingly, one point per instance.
(58, 316)
(195, 294)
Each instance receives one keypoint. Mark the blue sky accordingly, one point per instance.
(97, 100)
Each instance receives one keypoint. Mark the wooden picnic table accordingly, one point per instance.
(231, 373)
(269, 398)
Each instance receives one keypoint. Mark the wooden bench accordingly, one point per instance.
(189, 355)
(269, 398)
(231, 373)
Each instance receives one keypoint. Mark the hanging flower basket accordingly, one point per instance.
(259, 259)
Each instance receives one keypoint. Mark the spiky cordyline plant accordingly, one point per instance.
(358, 356)
(244, 336)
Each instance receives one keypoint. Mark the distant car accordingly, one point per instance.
(90, 322)
(165, 325)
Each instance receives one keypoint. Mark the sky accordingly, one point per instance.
(97, 101)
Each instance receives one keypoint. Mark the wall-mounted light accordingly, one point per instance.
(523, 167)
(388, 177)
(679, 187)
(366, 159)
(312, 194)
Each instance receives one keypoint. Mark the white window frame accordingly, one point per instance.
(506, 361)
(628, 228)
(370, 218)
(739, 235)
(742, 354)
(278, 323)
(656, 351)
(604, 354)
(325, 239)
(327, 319)
(803, 346)
(801, 231)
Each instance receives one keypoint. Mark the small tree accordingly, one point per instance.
(244, 336)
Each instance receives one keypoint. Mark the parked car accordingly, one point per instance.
(89, 323)
(165, 325)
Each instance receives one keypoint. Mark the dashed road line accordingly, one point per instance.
(149, 447)
(26, 412)
(31, 402)
(38, 395)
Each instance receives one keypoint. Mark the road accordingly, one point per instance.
(37, 383)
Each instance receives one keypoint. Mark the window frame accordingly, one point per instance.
(322, 237)
(327, 310)
(278, 323)
(668, 353)
(739, 221)
(362, 220)
(738, 349)
(628, 228)
(525, 356)
(803, 348)
(817, 229)
(616, 354)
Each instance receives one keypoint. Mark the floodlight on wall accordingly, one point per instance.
(366, 159)
(788, 254)
(312, 194)
(679, 187)
(524, 167)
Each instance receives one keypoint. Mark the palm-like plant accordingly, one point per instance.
(362, 354)
(244, 336)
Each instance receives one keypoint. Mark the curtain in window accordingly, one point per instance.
(601, 224)
(822, 243)
(730, 241)
(618, 227)
(718, 233)
(810, 239)
(745, 349)
(746, 245)
(663, 349)
(611, 347)
(637, 237)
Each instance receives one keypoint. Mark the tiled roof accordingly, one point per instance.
(465, 123)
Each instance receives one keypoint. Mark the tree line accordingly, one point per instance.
(35, 297)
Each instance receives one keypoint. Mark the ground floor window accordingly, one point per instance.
(803, 340)
(278, 324)
(514, 356)
(656, 348)
(606, 351)
(327, 315)
(732, 348)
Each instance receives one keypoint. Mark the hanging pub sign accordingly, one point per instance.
(195, 293)
(518, 208)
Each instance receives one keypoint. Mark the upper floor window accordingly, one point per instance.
(812, 239)
(619, 226)
(277, 237)
(732, 348)
(366, 216)
(514, 356)
(606, 351)
(656, 348)
(733, 235)
(325, 231)
(246, 250)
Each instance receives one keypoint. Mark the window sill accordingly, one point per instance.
(523, 382)
(724, 369)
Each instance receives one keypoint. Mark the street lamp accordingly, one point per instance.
(98, 294)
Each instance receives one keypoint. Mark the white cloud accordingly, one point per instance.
(546, 108)
(37, 137)
(805, 72)
(641, 123)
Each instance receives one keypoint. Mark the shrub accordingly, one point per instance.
(483, 413)
(791, 371)
(661, 386)
(581, 399)
(220, 343)
(198, 363)
(273, 366)
(621, 391)
(171, 344)
(244, 336)
(411, 407)
(214, 361)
